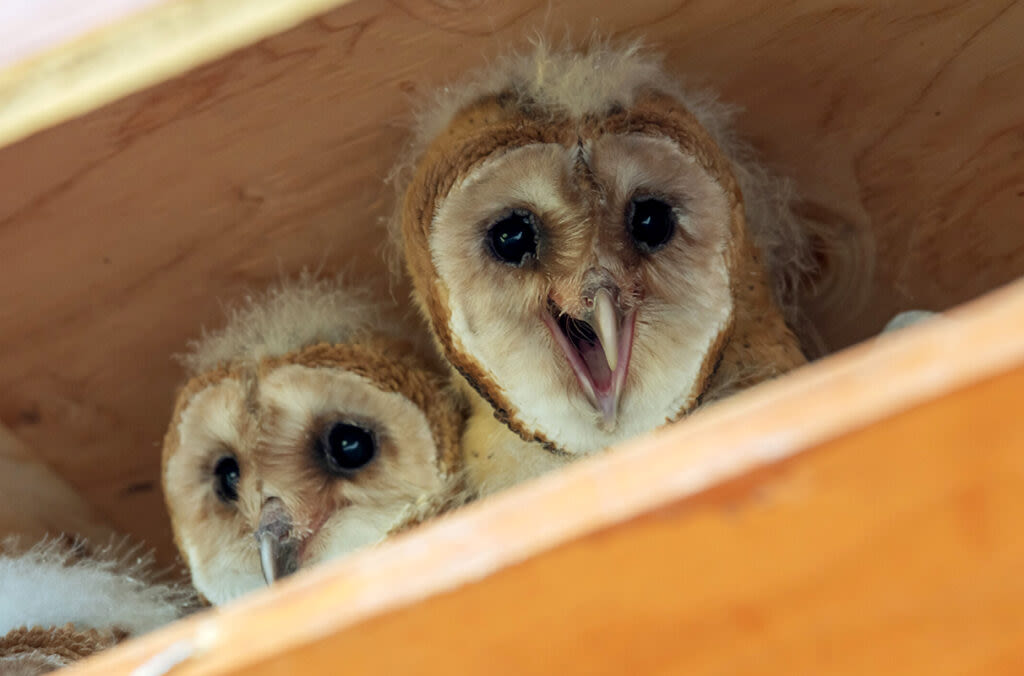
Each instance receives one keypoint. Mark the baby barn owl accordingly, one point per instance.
(595, 254)
(307, 430)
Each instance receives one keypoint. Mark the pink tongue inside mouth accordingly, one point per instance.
(596, 363)
(582, 348)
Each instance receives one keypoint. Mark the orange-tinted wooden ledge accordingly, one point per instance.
(860, 517)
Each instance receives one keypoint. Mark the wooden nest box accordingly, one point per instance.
(861, 515)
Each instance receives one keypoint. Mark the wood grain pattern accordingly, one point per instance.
(871, 531)
(900, 121)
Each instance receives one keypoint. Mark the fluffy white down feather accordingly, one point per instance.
(289, 316)
(48, 585)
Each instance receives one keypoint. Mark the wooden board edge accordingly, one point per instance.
(136, 52)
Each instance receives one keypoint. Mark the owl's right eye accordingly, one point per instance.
(513, 238)
(346, 447)
(226, 475)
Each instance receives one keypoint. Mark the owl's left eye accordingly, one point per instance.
(227, 474)
(513, 238)
(651, 223)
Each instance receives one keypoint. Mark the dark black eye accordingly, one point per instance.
(513, 238)
(346, 447)
(651, 223)
(227, 474)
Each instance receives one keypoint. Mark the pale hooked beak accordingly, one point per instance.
(278, 549)
(598, 348)
(606, 323)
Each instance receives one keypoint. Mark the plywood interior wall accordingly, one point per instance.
(122, 231)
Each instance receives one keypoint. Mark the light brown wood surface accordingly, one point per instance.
(123, 230)
(872, 530)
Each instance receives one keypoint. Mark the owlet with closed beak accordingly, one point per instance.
(308, 429)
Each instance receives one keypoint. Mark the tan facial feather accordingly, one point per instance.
(269, 415)
(214, 423)
(274, 442)
(495, 309)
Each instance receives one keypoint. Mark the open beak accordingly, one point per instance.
(278, 548)
(598, 348)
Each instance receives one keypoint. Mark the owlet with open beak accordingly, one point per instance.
(594, 252)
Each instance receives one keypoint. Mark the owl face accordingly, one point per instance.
(275, 466)
(581, 272)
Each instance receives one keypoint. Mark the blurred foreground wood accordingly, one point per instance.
(862, 516)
